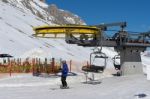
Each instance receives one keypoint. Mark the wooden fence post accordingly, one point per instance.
(45, 65)
(10, 70)
(53, 64)
(70, 65)
(33, 63)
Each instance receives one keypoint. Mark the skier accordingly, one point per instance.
(64, 74)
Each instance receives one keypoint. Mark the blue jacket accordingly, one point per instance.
(65, 70)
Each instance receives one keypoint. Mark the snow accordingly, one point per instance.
(44, 5)
(29, 87)
(34, 7)
(16, 36)
(36, 53)
(70, 20)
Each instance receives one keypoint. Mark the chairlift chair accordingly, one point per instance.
(117, 66)
(5, 56)
(96, 68)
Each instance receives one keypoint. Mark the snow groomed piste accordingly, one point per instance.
(128, 45)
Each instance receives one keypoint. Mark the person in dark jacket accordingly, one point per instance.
(64, 74)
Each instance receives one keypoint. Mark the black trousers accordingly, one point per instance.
(63, 80)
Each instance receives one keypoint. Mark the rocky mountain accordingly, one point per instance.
(46, 12)
(63, 17)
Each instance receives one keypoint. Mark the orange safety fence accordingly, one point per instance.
(37, 65)
(27, 66)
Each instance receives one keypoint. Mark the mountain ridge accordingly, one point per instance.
(46, 12)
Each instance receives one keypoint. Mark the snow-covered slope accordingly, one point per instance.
(29, 87)
(16, 30)
(47, 12)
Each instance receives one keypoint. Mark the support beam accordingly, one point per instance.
(131, 60)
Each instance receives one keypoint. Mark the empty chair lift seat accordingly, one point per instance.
(93, 68)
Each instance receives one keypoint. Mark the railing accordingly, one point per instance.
(29, 66)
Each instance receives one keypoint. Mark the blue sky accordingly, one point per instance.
(135, 12)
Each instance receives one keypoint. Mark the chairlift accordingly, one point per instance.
(5, 56)
(116, 64)
(94, 67)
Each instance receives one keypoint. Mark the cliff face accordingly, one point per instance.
(63, 17)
